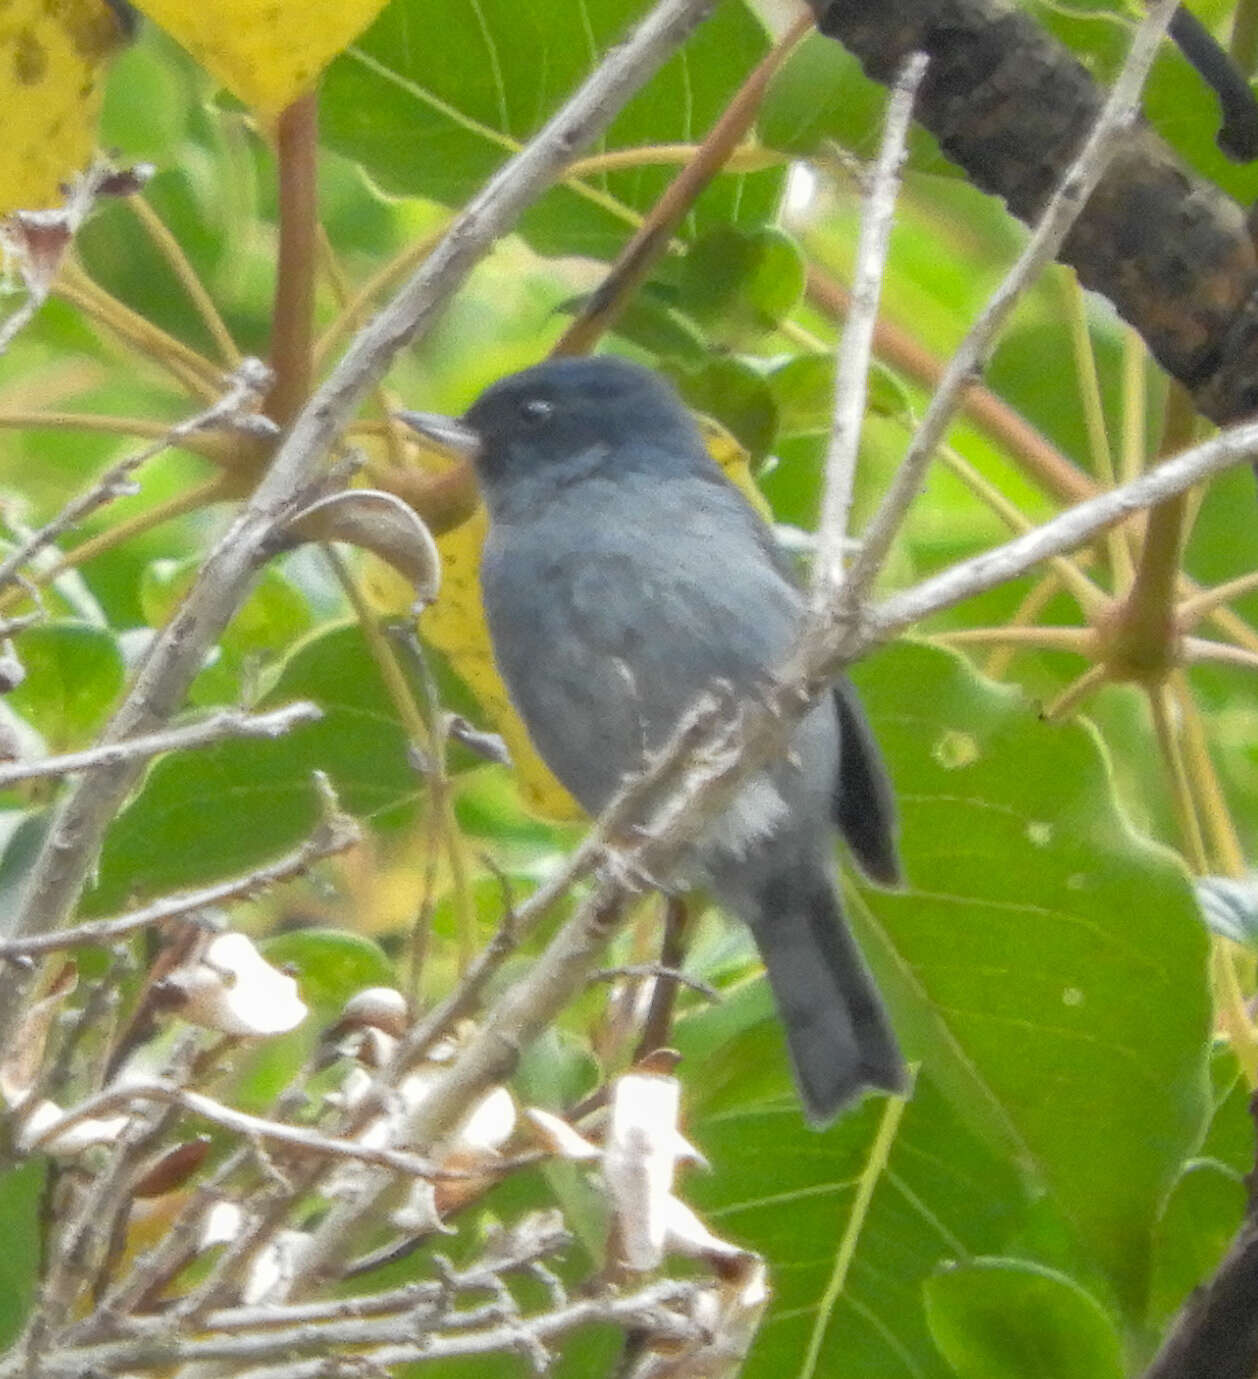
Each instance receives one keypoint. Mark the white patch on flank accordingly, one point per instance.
(754, 814)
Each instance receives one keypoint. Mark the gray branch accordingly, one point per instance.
(856, 347)
(965, 365)
(335, 834)
(217, 727)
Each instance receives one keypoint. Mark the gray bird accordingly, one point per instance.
(623, 575)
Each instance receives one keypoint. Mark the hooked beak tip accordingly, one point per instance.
(446, 433)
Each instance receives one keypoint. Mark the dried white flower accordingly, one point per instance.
(686, 1234)
(220, 1225)
(275, 1266)
(560, 1138)
(639, 1161)
(232, 988)
(376, 1007)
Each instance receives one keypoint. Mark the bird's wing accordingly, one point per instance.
(604, 646)
(863, 802)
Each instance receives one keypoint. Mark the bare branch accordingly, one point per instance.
(965, 365)
(335, 834)
(855, 348)
(384, 1342)
(217, 727)
(658, 969)
(295, 1136)
(1061, 534)
(244, 388)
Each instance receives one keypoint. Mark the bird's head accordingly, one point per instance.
(566, 418)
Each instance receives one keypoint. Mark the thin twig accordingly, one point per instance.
(242, 389)
(659, 1308)
(334, 834)
(856, 346)
(1059, 215)
(1061, 534)
(217, 727)
(113, 1099)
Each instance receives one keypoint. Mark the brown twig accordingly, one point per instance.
(653, 236)
(292, 317)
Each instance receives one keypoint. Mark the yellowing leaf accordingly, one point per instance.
(51, 60)
(266, 54)
(455, 625)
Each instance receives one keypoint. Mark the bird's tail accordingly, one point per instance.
(837, 1030)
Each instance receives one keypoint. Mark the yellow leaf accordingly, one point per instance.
(265, 54)
(455, 625)
(51, 60)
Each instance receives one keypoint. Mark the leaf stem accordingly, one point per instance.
(172, 251)
(292, 319)
(1093, 410)
(871, 1175)
(654, 235)
(196, 374)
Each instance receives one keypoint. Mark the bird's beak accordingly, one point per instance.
(446, 433)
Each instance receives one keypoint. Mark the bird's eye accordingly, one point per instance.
(535, 409)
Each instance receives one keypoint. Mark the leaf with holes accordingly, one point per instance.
(1047, 965)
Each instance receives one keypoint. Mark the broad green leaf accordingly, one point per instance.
(851, 1221)
(274, 615)
(269, 621)
(21, 1191)
(1230, 1137)
(1047, 965)
(436, 118)
(740, 284)
(736, 394)
(1206, 1209)
(74, 673)
(209, 814)
(820, 94)
(1007, 1319)
(330, 964)
(803, 388)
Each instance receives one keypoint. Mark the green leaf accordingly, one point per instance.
(205, 815)
(269, 621)
(74, 672)
(820, 94)
(852, 1220)
(435, 119)
(738, 397)
(21, 1190)
(1007, 1319)
(1205, 1210)
(1048, 965)
(803, 388)
(740, 284)
(330, 964)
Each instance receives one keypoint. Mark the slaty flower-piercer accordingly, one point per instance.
(623, 575)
